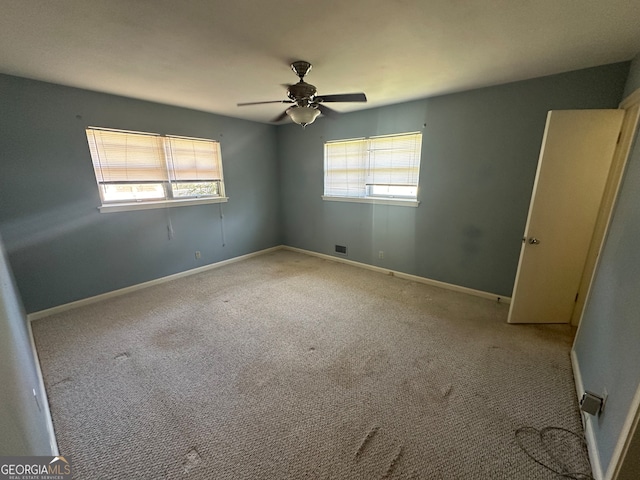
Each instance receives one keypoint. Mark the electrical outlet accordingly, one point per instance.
(198, 254)
(591, 403)
(380, 254)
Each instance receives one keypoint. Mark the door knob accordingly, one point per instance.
(534, 241)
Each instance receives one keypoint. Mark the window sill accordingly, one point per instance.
(375, 200)
(126, 207)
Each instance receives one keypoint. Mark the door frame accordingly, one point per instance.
(631, 105)
(632, 421)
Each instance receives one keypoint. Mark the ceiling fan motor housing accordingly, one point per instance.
(301, 92)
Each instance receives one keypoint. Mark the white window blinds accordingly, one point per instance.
(345, 168)
(193, 159)
(394, 160)
(385, 166)
(126, 157)
(138, 166)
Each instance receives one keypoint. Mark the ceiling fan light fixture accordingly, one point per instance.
(303, 115)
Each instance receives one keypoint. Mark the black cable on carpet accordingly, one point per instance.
(557, 449)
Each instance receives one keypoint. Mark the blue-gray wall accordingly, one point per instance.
(608, 342)
(62, 249)
(479, 157)
(480, 150)
(633, 81)
(24, 419)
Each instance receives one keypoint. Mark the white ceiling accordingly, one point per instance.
(211, 54)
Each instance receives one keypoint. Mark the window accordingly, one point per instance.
(144, 170)
(382, 169)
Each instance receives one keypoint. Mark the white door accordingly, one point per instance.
(574, 163)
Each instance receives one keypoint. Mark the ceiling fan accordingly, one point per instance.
(307, 105)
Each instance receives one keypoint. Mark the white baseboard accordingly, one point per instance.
(592, 446)
(42, 395)
(150, 283)
(139, 286)
(627, 434)
(405, 276)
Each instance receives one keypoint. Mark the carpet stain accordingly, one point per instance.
(446, 390)
(422, 363)
(393, 463)
(64, 380)
(349, 369)
(254, 380)
(122, 356)
(191, 460)
(174, 338)
(426, 390)
(365, 441)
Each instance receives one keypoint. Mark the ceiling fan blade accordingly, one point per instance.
(343, 97)
(279, 118)
(326, 111)
(260, 103)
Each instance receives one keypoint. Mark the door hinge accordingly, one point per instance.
(576, 299)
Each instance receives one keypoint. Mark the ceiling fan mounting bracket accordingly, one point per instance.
(301, 68)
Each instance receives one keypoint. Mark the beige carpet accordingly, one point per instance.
(287, 366)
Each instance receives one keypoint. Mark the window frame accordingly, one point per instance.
(169, 179)
(366, 172)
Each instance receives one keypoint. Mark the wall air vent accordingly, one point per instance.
(341, 249)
